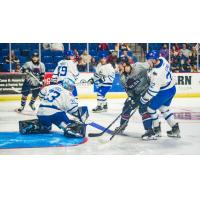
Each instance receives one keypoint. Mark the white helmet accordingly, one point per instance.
(68, 84)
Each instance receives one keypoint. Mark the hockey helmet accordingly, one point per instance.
(69, 53)
(68, 84)
(152, 55)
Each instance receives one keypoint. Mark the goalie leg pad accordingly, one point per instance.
(32, 126)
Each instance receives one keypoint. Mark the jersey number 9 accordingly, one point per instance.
(63, 71)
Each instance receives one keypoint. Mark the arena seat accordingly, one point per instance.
(58, 53)
(6, 67)
(47, 59)
(58, 58)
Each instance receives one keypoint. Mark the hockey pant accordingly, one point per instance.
(27, 88)
(101, 93)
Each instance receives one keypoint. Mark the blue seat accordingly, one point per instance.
(4, 52)
(93, 46)
(46, 53)
(4, 46)
(23, 59)
(6, 67)
(58, 53)
(47, 59)
(111, 46)
(93, 53)
(58, 58)
(66, 46)
(75, 46)
(82, 46)
(49, 67)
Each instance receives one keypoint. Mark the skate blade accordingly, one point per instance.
(149, 138)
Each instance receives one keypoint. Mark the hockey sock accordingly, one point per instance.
(23, 100)
(147, 121)
(32, 100)
(168, 115)
(100, 100)
(154, 117)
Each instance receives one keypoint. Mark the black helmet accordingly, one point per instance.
(35, 54)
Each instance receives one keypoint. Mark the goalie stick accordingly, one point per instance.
(101, 133)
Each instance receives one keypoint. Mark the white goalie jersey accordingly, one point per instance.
(104, 75)
(56, 99)
(65, 69)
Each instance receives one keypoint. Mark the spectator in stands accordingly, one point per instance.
(174, 51)
(103, 47)
(185, 51)
(76, 55)
(57, 47)
(53, 46)
(183, 63)
(112, 58)
(193, 59)
(86, 58)
(93, 64)
(14, 60)
(126, 54)
(124, 46)
(82, 67)
(164, 52)
(46, 46)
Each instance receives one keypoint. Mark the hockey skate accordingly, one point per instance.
(98, 109)
(149, 135)
(175, 132)
(32, 106)
(20, 109)
(157, 130)
(119, 130)
(105, 107)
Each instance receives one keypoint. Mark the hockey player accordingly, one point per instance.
(134, 79)
(35, 71)
(66, 68)
(103, 79)
(160, 94)
(56, 101)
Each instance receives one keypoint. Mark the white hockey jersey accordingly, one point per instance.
(65, 69)
(56, 99)
(104, 75)
(161, 78)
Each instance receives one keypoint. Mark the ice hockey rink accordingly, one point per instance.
(187, 113)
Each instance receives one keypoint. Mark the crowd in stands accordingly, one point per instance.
(182, 57)
(52, 53)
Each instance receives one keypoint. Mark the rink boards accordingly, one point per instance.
(188, 85)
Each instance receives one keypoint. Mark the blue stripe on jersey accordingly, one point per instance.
(165, 86)
(160, 64)
(47, 106)
(150, 94)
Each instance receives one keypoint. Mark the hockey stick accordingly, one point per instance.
(123, 126)
(101, 133)
(20, 91)
(34, 77)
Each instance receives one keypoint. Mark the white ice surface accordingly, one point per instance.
(131, 144)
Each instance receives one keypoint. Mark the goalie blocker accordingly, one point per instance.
(71, 128)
